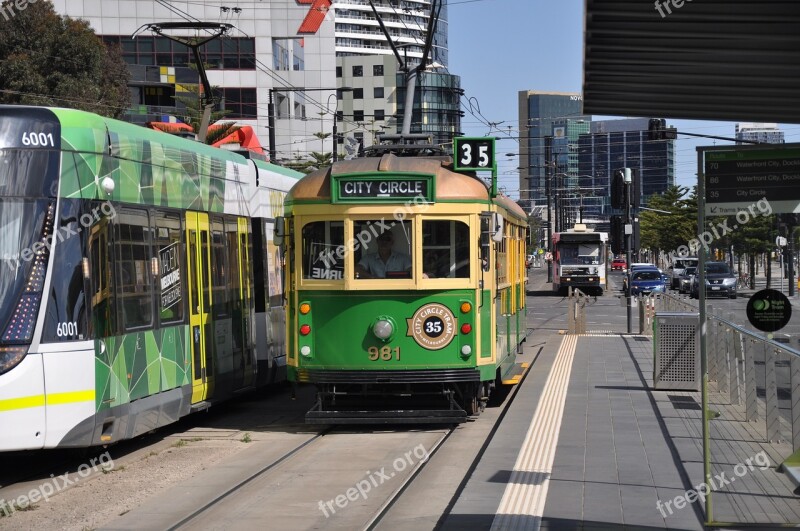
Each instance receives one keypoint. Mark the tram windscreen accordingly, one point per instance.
(21, 223)
(579, 253)
(28, 173)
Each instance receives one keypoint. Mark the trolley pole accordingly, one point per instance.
(628, 244)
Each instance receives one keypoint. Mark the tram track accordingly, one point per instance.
(263, 470)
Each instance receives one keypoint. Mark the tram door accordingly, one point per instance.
(198, 249)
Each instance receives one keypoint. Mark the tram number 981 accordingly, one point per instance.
(385, 353)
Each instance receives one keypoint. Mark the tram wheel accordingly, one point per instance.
(472, 399)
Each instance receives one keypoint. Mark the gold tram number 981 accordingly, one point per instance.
(385, 353)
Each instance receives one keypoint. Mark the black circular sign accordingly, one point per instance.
(433, 326)
(769, 310)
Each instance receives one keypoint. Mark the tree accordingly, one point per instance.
(668, 232)
(47, 59)
(194, 110)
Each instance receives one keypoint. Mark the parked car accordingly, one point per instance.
(645, 281)
(678, 267)
(720, 281)
(685, 280)
(618, 263)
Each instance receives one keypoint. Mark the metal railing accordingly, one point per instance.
(750, 370)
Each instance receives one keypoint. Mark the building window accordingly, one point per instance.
(377, 70)
(377, 92)
(239, 102)
(338, 71)
(358, 116)
(380, 114)
(358, 94)
(236, 53)
(288, 54)
(358, 71)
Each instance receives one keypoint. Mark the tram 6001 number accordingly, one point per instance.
(385, 353)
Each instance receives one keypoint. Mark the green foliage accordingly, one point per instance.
(47, 59)
(220, 131)
(194, 110)
(318, 160)
(667, 232)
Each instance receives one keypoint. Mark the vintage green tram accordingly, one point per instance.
(405, 290)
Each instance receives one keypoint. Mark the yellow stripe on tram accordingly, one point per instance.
(54, 399)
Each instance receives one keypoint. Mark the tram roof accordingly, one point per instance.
(450, 185)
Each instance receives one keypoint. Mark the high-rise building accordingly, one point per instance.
(272, 46)
(358, 32)
(759, 132)
(615, 144)
(539, 112)
(366, 62)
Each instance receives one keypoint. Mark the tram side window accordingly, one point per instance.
(133, 265)
(219, 270)
(103, 300)
(445, 249)
(66, 316)
(323, 250)
(382, 251)
(170, 267)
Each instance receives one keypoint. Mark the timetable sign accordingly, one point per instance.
(739, 177)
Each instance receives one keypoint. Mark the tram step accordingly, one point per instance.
(200, 406)
(515, 374)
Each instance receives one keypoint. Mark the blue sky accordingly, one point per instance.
(500, 47)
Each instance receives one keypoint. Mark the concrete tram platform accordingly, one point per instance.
(589, 444)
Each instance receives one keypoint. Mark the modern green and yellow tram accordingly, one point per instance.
(405, 290)
(138, 282)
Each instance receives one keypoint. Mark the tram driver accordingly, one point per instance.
(385, 260)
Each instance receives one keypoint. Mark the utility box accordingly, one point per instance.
(676, 345)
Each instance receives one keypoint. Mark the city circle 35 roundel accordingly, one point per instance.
(433, 326)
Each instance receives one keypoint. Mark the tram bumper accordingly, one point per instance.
(387, 397)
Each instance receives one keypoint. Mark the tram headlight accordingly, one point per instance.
(305, 350)
(10, 357)
(466, 351)
(383, 328)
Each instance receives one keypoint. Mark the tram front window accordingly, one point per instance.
(323, 250)
(382, 251)
(21, 226)
(445, 249)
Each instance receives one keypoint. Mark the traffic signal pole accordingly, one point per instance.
(628, 245)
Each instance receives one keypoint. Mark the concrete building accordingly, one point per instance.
(273, 45)
(759, 132)
(366, 62)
